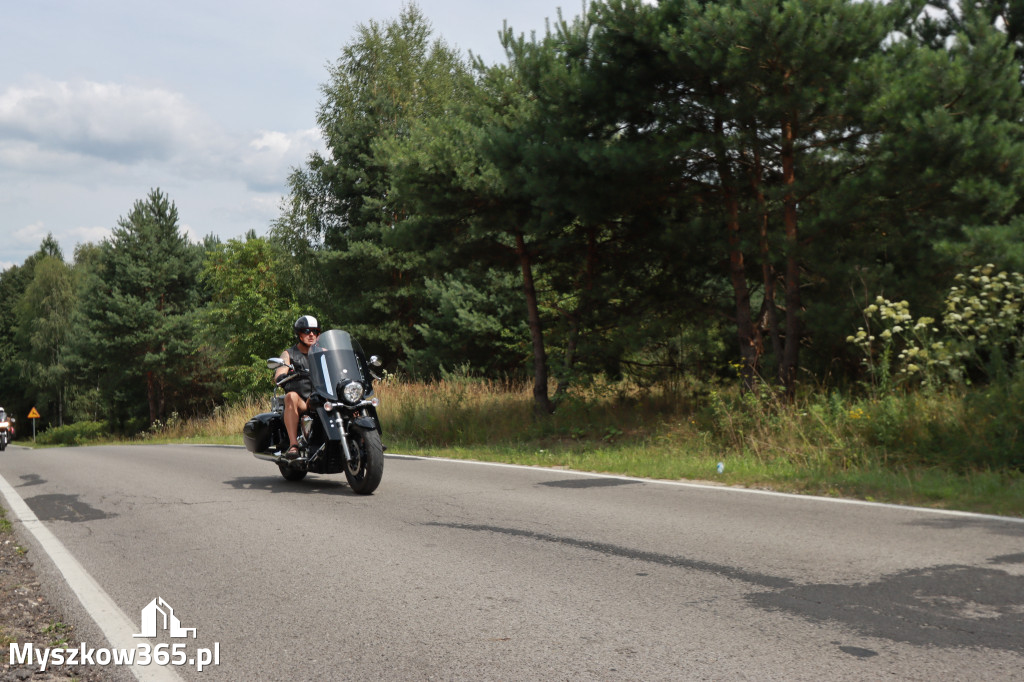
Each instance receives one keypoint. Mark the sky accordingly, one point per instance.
(211, 101)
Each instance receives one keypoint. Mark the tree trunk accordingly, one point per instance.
(769, 311)
(161, 399)
(541, 402)
(791, 352)
(151, 396)
(750, 351)
(583, 311)
(745, 333)
(572, 339)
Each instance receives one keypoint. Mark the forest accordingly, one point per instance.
(790, 195)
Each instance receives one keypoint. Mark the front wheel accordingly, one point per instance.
(291, 473)
(367, 466)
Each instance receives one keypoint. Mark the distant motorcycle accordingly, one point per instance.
(340, 432)
(6, 430)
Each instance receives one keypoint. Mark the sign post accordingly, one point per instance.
(33, 415)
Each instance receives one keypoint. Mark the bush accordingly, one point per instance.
(989, 433)
(979, 336)
(962, 431)
(73, 434)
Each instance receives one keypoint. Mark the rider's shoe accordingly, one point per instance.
(292, 452)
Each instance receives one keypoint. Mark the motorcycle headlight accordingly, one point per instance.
(352, 392)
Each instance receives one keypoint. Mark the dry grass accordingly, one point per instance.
(825, 444)
(224, 425)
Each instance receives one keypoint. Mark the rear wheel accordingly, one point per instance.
(367, 466)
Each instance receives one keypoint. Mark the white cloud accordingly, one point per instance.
(74, 155)
(19, 243)
(101, 102)
(110, 121)
(29, 235)
(82, 235)
(58, 128)
(27, 239)
(268, 158)
(190, 233)
(274, 142)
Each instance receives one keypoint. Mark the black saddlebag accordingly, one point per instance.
(265, 433)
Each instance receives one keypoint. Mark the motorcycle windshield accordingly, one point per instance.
(333, 358)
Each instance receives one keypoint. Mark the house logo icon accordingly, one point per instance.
(158, 615)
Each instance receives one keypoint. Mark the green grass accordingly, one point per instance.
(983, 492)
(950, 450)
(57, 632)
(6, 639)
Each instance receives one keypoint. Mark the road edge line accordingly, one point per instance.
(692, 484)
(111, 620)
(734, 489)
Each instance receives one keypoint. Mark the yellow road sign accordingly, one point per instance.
(34, 414)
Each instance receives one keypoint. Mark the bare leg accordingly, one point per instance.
(293, 406)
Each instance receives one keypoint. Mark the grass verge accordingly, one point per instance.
(950, 450)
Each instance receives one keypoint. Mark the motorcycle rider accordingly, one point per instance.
(297, 391)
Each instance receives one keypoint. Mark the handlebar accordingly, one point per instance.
(290, 376)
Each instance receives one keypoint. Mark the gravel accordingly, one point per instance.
(27, 615)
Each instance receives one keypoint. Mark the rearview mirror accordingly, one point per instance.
(274, 363)
(375, 361)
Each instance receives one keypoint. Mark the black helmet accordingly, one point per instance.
(306, 322)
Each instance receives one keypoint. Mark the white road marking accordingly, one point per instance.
(699, 486)
(731, 489)
(114, 624)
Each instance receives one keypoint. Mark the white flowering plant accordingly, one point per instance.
(980, 334)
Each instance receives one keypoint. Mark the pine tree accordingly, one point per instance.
(141, 315)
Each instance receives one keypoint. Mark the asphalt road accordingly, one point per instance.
(462, 571)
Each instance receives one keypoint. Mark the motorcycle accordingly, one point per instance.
(340, 432)
(6, 430)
